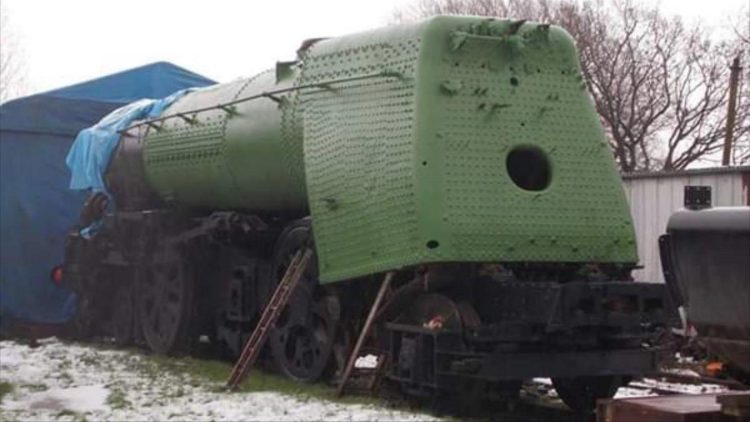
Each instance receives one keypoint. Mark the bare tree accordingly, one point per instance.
(741, 150)
(660, 87)
(12, 66)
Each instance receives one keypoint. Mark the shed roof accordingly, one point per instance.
(36, 207)
(67, 110)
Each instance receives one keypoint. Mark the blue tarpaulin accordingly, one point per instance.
(37, 208)
(91, 151)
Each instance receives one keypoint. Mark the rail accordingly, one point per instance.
(228, 107)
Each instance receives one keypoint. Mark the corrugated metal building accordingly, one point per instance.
(654, 196)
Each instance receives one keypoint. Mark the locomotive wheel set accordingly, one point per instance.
(463, 155)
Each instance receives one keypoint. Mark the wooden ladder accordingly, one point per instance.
(270, 314)
(381, 364)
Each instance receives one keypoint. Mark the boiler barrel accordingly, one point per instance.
(244, 156)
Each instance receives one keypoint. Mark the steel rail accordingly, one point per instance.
(228, 106)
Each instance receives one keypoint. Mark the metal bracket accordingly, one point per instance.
(697, 197)
(269, 94)
(150, 124)
(189, 120)
(277, 100)
(230, 110)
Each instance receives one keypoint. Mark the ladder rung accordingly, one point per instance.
(269, 315)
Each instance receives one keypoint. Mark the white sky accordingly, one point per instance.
(69, 41)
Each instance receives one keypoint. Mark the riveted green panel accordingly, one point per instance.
(410, 170)
(186, 162)
(359, 152)
(397, 141)
(221, 159)
(517, 87)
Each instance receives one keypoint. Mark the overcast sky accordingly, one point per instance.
(66, 42)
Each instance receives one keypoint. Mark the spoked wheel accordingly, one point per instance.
(123, 315)
(83, 321)
(303, 337)
(439, 312)
(581, 393)
(164, 302)
(86, 321)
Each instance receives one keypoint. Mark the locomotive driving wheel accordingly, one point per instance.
(83, 321)
(302, 339)
(123, 315)
(164, 303)
(436, 311)
(86, 321)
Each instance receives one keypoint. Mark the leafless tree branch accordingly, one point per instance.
(660, 87)
(12, 66)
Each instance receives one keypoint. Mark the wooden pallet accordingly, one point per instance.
(734, 406)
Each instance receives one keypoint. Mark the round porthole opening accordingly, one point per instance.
(529, 168)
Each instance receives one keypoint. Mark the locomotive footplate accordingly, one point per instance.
(539, 330)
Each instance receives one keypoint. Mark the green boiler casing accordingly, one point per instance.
(450, 140)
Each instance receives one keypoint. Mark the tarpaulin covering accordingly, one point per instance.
(37, 208)
(91, 151)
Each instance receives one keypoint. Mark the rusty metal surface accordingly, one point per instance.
(683, 408)
(735, 404)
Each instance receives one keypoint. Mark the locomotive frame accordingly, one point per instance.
(540, 328)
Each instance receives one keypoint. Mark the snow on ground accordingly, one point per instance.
(682, 371)
(678, 387)
(62, 381)
(88, 398)
(645, 387)
(369, 361)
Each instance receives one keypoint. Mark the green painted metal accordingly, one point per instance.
(231, 158)
(413, 170)
(397, 141)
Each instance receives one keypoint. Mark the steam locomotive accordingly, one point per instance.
(462, 154)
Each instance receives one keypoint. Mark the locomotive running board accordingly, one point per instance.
(270, 314)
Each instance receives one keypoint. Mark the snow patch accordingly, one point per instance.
(682, 371)
(369, 362)
(77, 399)
(629, 392)
(57, 381)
